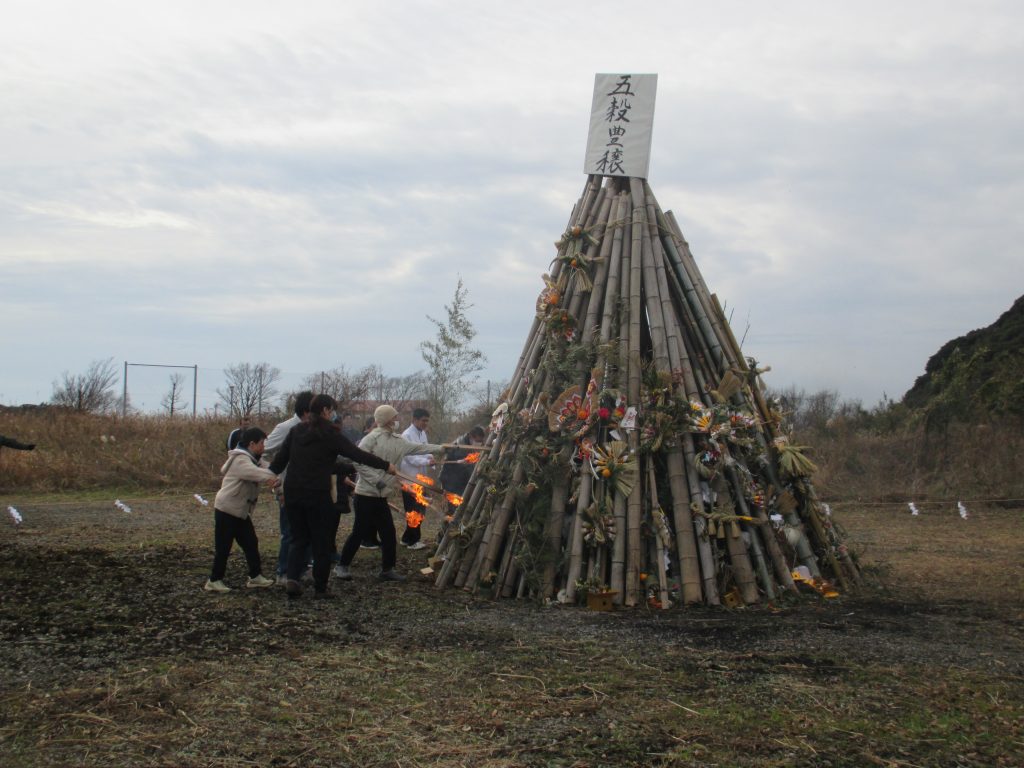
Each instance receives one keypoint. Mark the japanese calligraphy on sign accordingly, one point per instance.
(621, 122)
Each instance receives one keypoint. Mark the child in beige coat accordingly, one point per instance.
(232, 511)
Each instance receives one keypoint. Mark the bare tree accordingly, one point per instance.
(401, 391)
(249, 388)
(174, 400)
(343, 386)
(89, 392)
(452, 362)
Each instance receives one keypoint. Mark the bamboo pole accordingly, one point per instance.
(634, 508)
(686, 544)
(751, 539)
(494, 533)
(803, 547)
(576, 537)
(742, 569)
(616, 314)
(659, 544)
(553, 532)
(508, 571)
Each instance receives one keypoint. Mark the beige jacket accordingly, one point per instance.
(391, 447)
(241, 484)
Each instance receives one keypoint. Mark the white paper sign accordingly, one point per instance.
(621, 122)
(629, 419)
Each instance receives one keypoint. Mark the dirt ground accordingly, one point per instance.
(111, 654)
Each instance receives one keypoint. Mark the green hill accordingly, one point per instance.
(978, 377)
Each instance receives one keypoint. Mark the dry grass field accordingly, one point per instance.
(111, 655)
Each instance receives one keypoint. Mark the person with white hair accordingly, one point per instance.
(372, 512)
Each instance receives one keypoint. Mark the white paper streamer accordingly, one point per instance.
(200, 499)
(15, 514)
(962, 509)
(828, 509)
(122, 506)
(913, 509)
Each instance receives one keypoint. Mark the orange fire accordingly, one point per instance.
(473, 458)
(413, 518)
(417, 492)
(822, 586)
(425, 480)
(453, 498)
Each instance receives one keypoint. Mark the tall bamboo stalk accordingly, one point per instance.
(634, 508)
(553, 531)
(576, 537)
(659, 544)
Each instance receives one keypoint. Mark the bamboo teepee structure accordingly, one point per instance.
(635, 452)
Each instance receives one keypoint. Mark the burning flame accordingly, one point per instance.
(822, 586)
(425, 480)
(413, 518)
(417, 493)
(473, 458)
(453, 499)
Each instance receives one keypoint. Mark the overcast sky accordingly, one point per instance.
(208, 183)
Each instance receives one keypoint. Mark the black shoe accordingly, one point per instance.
(293, 588)
(369, 545)
(390, 576)
(325, 595)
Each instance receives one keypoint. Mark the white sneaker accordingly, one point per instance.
(417, 545)
(216, 586)
(260, 582)
(342, 572)
(282, 579)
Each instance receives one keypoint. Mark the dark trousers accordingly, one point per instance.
(286, 542)
(412, 534)
(227, 529)
(313, 523)
(373, 517)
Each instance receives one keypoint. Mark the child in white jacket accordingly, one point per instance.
(232, 511)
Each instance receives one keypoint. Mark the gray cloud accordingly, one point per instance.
(211, 187)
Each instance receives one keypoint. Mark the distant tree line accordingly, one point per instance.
(448, 385)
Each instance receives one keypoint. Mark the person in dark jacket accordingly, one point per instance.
(456, 471)
(236, 434)
(310, 454)
(342, 483)
(10, 442)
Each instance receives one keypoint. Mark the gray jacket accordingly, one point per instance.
(391, 447)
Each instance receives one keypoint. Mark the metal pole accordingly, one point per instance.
(124, 393)
(195, 388)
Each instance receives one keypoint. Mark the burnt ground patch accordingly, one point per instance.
(113, 655)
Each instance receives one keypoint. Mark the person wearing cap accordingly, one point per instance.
(372, 512)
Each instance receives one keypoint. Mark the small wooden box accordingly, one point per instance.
(601, 601)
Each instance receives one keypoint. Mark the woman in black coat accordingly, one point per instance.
(310, 453)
